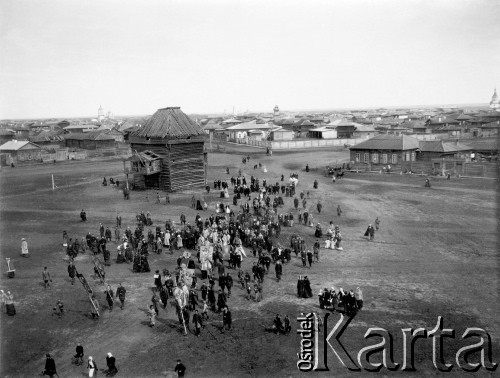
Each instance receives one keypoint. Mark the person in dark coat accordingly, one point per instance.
(222, 282)
(204, 291)
(286, 325)
(197, 322)
(79, 354)
(315, 185)
(211, 299)
(180, 369)
(309, 257)
(319, 206)
(109, 298)
(221, 301)
(157, 278)
(164, 297)
(278, 325)
(50, 366)
(279, 270)
(370, 232)
(307, 288)
(120, 294)
(229, 284)
(307, 167)
(72, 272)
(111, 363)
(227, 319)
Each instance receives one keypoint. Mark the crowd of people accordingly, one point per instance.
(220, 242)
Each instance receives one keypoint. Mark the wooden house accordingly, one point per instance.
(385, 149)
(323, 133)
(21, 151)
(6, 135)
(437, 149)
(178, 141)
(89, 141)
(241, 131)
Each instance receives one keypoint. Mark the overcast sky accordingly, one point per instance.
(63, 58)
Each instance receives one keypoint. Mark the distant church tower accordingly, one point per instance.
(100, 114)
(495, 102)
(276, 111)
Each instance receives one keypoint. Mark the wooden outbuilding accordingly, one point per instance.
(178, 142)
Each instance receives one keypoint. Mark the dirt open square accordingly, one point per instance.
(436, 254)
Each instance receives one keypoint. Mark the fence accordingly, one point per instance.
(78, 154)
(438, 167)
(314, 143)
(58, 155)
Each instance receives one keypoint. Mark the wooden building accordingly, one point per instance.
(6, 135)
(145, 168)
(437, 149)
(178, 142)
(323, 132)
(385, 149)
(21, 151)
(89, 141)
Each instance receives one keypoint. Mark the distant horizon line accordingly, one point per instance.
(285, 110)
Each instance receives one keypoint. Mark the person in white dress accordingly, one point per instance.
(24, 248)
(91, 366)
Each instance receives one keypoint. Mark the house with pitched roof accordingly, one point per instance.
(6, 135)
(437, 149)
(89, 141)
(386, 149)
(21, 151)
(241, 131)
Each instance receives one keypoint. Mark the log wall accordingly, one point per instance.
(182, 162)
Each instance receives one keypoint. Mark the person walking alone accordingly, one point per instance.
(24, 248)
(46, 277)
(91, 365)
(120, 294)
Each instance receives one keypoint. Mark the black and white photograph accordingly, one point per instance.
(249, 188)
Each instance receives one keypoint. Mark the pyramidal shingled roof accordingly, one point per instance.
(169, 122)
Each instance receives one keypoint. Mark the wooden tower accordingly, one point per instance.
(178, 141)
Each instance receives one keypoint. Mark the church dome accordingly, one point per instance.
(495, 102)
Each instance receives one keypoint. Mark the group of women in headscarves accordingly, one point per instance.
(335, 300)
(333, 238)
(304, 287)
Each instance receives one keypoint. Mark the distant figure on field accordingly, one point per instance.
(24, 248)
(180, 369)
(46, 277)
(370, 232)
(50, 366)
